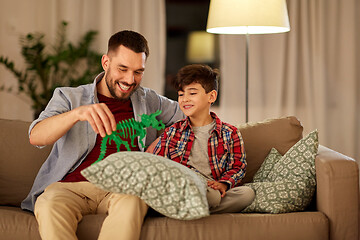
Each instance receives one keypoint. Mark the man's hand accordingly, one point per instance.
(222, 187)
(99, 117)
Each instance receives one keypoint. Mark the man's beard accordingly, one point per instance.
(112, 89)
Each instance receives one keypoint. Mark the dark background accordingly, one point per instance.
(182, 17)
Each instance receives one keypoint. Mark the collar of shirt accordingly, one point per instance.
(186, 124)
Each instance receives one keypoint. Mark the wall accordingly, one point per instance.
(19, 17)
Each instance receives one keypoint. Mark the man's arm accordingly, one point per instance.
(171, 111)
(49, 130)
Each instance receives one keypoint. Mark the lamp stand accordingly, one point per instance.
(247, 78)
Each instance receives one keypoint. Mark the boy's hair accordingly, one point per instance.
(197, 73)
(130, 39)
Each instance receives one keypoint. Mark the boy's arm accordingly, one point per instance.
(158, 147)
(237, 158)
(161, 145)
(152, 146)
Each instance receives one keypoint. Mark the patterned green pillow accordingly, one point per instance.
(299, 162)
(166, 186)
(291, 182)
(262, 174)
(281, 197)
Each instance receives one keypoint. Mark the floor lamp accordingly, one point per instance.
(247, 17)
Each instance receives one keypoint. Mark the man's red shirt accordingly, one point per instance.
(122, 110)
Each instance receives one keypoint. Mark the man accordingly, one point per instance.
(75, 121)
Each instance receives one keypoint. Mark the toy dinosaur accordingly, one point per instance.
(130, 128)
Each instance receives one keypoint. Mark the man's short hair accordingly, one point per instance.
(197, 73)
(130, 39)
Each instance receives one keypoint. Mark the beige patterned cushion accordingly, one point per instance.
(166, 186)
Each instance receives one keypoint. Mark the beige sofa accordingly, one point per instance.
(333, 215)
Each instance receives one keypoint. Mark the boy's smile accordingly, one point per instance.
(187, 106)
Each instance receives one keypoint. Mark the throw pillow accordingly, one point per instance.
(281, 197)
(260, 137)
(273, 157)
(299, 162)
(166, 186)
(291, 182)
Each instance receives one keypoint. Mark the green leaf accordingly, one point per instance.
(63, 64)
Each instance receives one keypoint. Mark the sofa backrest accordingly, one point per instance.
(260, 137)
(19, 161)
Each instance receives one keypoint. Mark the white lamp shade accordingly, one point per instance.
(200, 47)
(248, 17)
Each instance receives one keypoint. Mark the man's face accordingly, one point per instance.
(124, 70)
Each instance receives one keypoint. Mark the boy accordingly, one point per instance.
(204, 143)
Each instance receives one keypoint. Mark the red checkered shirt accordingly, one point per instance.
(225, 148)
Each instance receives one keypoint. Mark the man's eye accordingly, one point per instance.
(138, 73)
(122, 69)
(193, 93)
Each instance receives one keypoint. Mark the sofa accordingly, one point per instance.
(333, 213)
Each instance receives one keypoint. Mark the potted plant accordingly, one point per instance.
(63, 64)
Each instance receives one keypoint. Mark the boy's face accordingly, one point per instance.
(194, 101)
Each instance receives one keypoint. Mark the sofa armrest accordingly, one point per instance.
(338, 192)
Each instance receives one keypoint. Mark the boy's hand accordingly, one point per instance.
(222, 187)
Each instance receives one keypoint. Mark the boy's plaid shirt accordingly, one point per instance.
(225, 148)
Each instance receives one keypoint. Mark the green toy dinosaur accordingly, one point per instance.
(130, 128)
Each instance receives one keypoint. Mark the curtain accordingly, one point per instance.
(18, 17)
(311, 72)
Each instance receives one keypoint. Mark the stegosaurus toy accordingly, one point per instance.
(130, 128)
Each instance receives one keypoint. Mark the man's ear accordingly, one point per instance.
(105, 62)
(212, 96)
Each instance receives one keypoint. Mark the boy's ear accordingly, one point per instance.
(212, 96)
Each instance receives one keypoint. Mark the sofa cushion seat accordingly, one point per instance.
(295, 226)
(16, 223)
